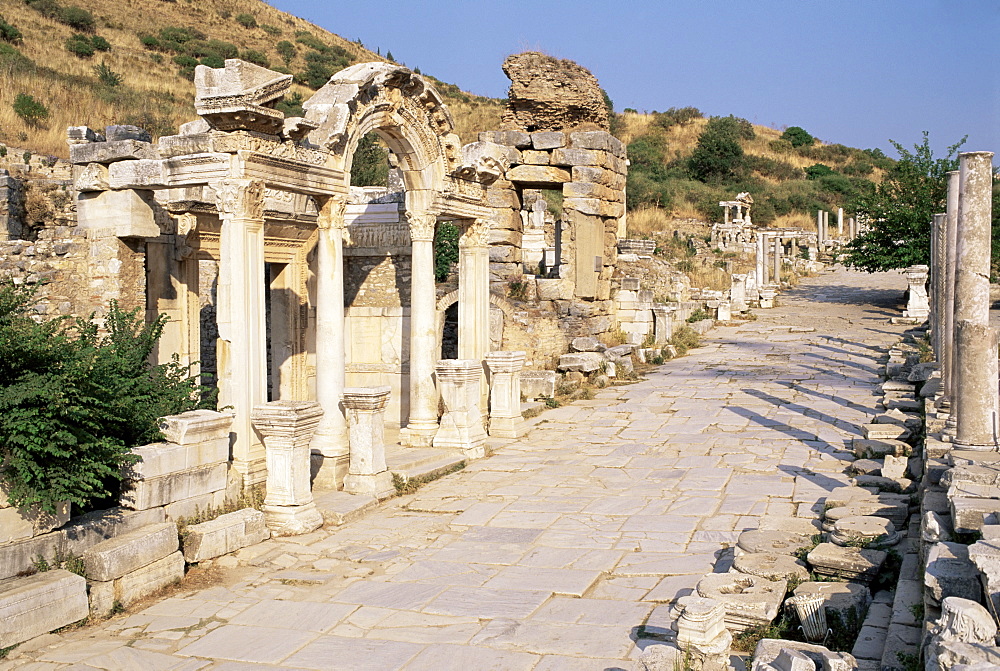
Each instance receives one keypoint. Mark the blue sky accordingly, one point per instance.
(854, 72)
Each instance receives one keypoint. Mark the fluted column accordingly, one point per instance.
(938, 263)
(423, 421)
(951, 252)
(241, 353)
(976, 342)
(330, 445)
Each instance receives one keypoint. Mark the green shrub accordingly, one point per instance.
(100, 44)
(150, 42)
(80, 45)
(107, 76)
(718, 156)
(310, 40)
(676, 116)
(31, 111)
(445, 250)
(274, 31)
(180, 35)
(3, 150)
(186, 61)
(255, 57)
(73, 402)
(769, 167)
(223, 49)
(76, 18)
(286, 50)
(8, 33)
(246, 20)
(292, 106)
(798, 137)
(818, 170)
(213, 61)
(13, 60)
(48, 8)
(321, 65)
(684, 339)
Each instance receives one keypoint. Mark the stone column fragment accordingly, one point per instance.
(287, 428)
(976, 345)
(368, 472)
(917, 307)
(506, 420)
(462, 425)
(737, 293)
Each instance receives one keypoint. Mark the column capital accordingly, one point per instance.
(422, 225)
(331, 211)
(242, 198)
(475, 234)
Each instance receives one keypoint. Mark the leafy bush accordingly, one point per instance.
(271, 30)
(286, 50)
(212, 61)
(8, 33)
(12, 60)
(676, 116)
(76, 18)
(256, 57)
(445, 250)
(100, 44)
(31, 111)
(80, 45)
(321, 65)
(310, 40)
(246, 20)
(73, 402)
(818, 170)
(107, 76)
(798, 137)
(719, 157)
(180, 35)
(47, 8)
(292, 106)
(769, 167)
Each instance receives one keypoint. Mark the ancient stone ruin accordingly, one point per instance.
(549, 94)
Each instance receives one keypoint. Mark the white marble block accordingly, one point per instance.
(368, 473)
(505, 394)
(462, 423)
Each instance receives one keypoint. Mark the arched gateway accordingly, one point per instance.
(263, 198)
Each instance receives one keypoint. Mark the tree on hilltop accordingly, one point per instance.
(899, 209)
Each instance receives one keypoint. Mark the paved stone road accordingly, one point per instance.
(552, 553)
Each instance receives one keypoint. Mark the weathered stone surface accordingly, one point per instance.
(769, 649)
(111, 151)
(596, 139)
(225, 534)
(538, 383)
(115, 557)
(846, 562)
(511, 138)
(749, 600)
(845, 600)
(160, 491)
(771, 566)
(866, 530)
(587, 344)
(950, 572)
(538, 174)
(128, 214)
(40, 603)
(885, 432)
(548, 94)
(548, 140)
(90, 529)
(967, 513)
(137, 585)
(781, 542)
(584, 362)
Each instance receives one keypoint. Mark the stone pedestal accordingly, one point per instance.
(976, 346)
(287, 428)
(702, 633)
(368, 472)
(663, 324)
(767, 297)
(505, 394)
(462, 425)
(725, 311)
(918, 306)
(738, 293)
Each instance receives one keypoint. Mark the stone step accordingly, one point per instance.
(339, 508)
(428, 469)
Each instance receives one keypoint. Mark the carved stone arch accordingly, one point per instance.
(399, 105)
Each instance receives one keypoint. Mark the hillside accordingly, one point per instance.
(144, 77)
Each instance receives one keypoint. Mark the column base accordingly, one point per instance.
(471, 448)
(506, 427)
(328, 472)
(292, 520)
(417, 436)
(378, 485)
(975, 447)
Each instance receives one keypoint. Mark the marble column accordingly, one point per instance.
(840, 222)
(778, 249)
(819, 229)
(474, 298)
(938, 263)
(826, 227)
(462, 423)
(368, 472)
(761, 259)
(287, 428)
(506, 420)
(951, 262)
(976, 342)
(240, 352)
(330, 447)
(422, 423)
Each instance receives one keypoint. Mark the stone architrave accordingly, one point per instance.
(368, 472)
(287, 427)
(738, 293)
(462, 423)
(506, 420)
(976, 341)
(918, 306)
(422, 423)
(663, 324)
(330, 442)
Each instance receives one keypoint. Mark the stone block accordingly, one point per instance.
(950, 572)
(554, 289)
(592, 157)
(38, 604)
(849, 563)
(598, 139)
(88, 530)
(538, 174)
(511, 138)
(749, 600)
(83, 134)
(530, 157)
(548, 140)
(870, 643)
(586, 344)
(111, 151)
(196, 426)
(160, 491)
(592, 190)
(120, 132)
(140, 174)
(594, 207)
(503, 195)
(225, 534)
(597, 175)
(499, 236)
(865, 448)
(91, 177)
(538, 383)
(769, 650)
(901, 640)
(136, 585)
(584, 362)
(115, 557)
(128, 214)
(885, 432)
(967, 513)
(169, 146)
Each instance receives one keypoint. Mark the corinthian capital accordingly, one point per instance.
(421, 225)
(331, 211)
(240, 198)
(476, 234)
